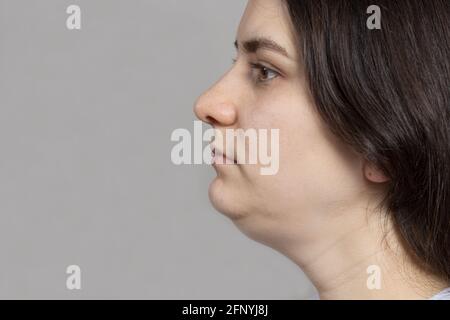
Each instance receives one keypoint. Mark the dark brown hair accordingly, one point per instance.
(386, 93)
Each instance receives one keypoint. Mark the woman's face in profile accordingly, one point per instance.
(265, 89)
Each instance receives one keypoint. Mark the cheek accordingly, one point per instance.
(320, 171)
(315, 172)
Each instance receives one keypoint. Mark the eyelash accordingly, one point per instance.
(260, 67)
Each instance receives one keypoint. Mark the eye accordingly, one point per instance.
(263, 73)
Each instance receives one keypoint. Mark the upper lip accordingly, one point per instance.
(217, 151)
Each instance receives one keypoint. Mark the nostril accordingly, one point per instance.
(211, 120)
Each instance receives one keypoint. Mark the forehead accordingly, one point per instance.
(267, 18)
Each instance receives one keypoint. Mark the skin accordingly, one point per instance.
(319, 209)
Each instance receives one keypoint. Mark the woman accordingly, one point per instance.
(361, 201)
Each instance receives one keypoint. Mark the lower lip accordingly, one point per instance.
(221, 160)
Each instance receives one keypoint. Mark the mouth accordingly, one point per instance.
(220, 158)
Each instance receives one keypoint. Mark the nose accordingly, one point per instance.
(216, 107)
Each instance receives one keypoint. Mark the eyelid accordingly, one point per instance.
(263, 64)
(260, 66)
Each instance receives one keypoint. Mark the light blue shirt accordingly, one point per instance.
(443, 295)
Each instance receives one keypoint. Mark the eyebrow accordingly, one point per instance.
(255, 44)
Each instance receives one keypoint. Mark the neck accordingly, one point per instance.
(364, 261)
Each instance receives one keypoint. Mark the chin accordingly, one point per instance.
(233, 202)
(226, 199)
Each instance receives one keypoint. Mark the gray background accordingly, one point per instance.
(85, 171)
